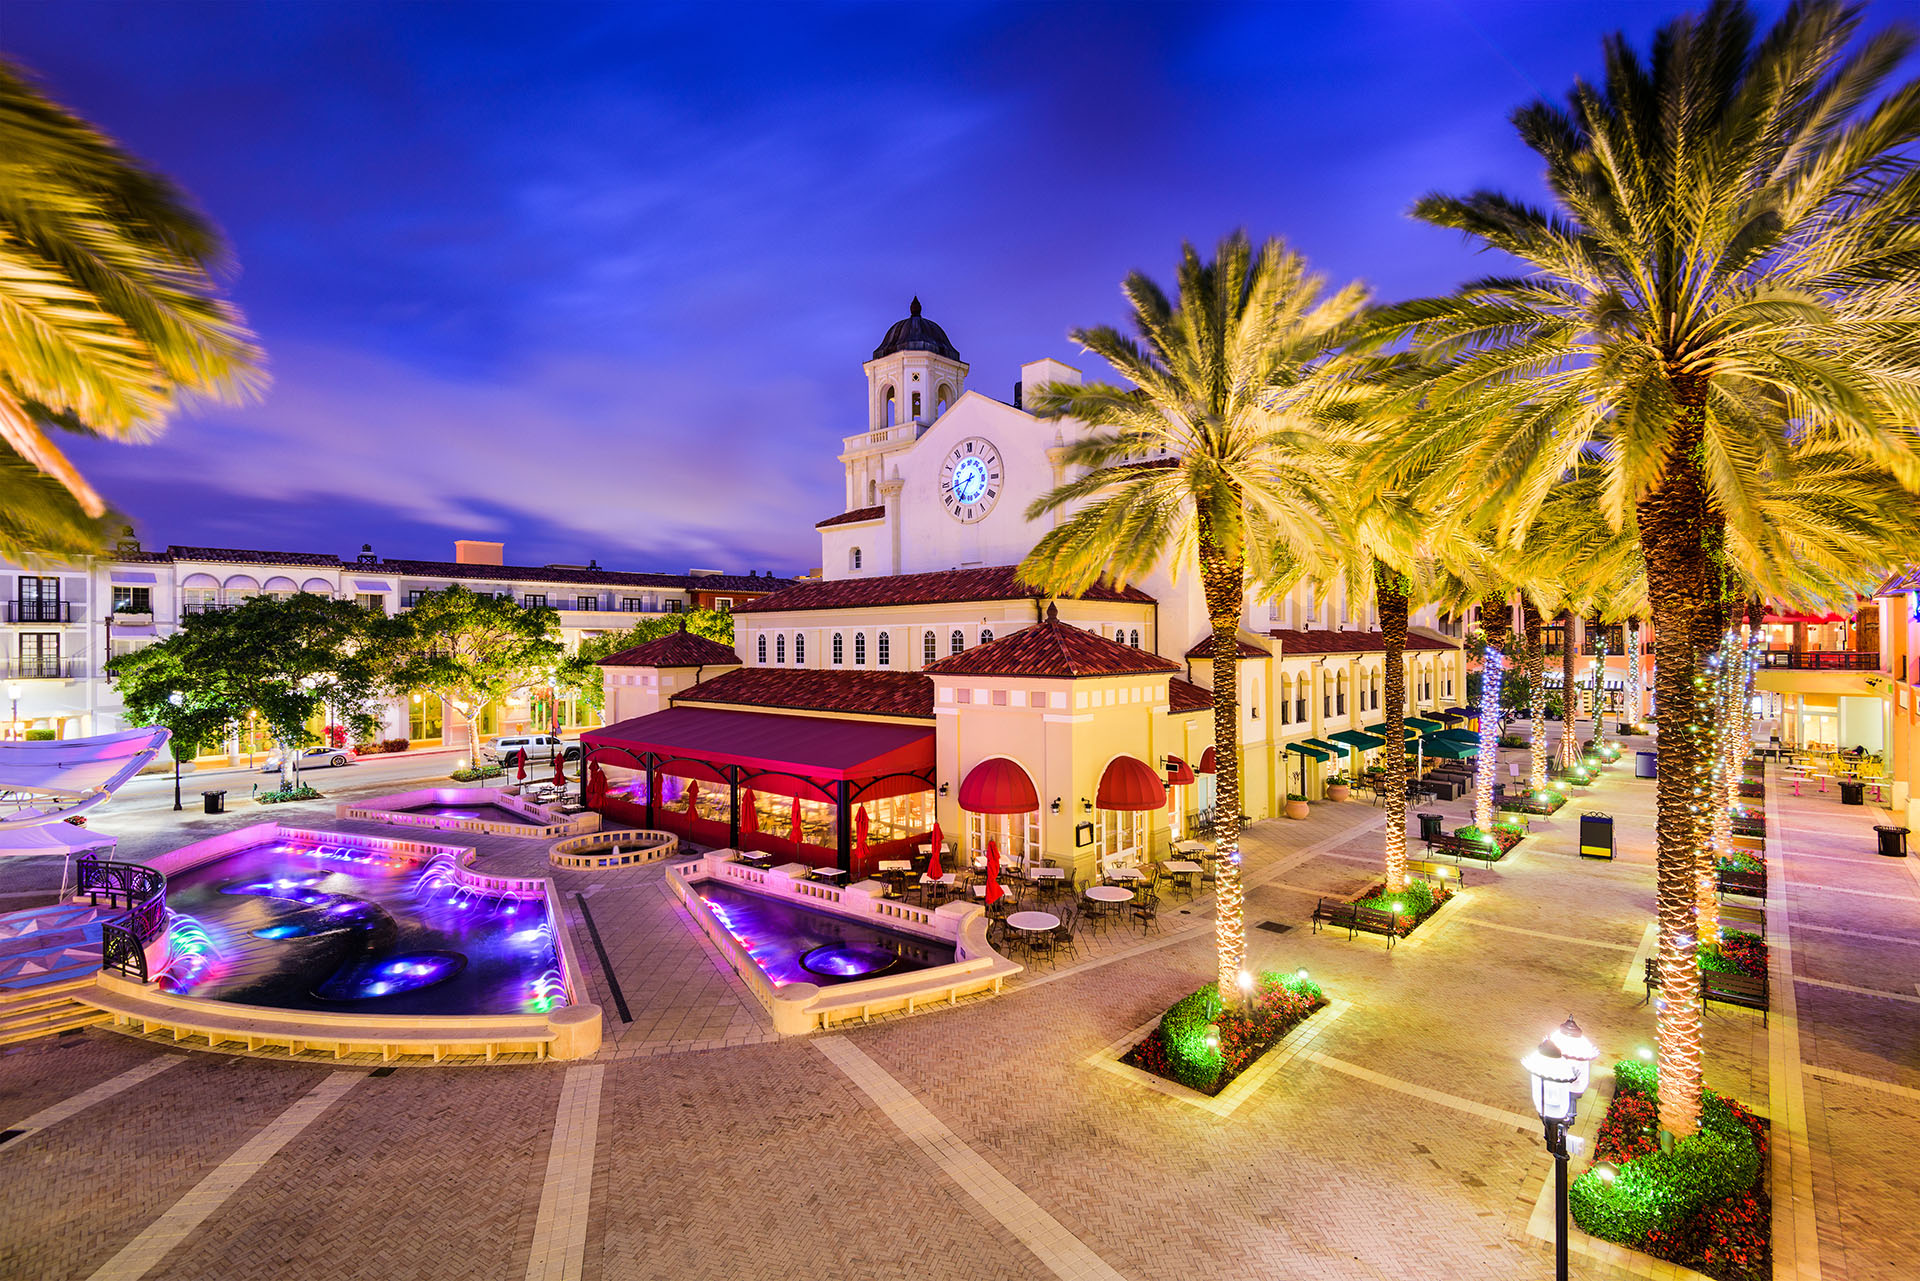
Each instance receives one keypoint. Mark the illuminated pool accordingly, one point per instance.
(477, 813)
(792, 944)
(330, 925)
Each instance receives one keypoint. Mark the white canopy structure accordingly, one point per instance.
(49, 782)
(51, 838)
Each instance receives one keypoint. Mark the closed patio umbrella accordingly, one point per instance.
(596, 784)
(995, 890)
(935, 837)
(933, 862)
(799, 836)
(559, 770)
(520, 774)
(749, 813)
(859, 842)
(693, 792)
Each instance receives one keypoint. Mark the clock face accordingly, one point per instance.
(971, 482)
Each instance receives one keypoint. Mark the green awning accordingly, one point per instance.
(1450, 751)
(1424, 726)
(1311, 753)
(1324, 745)
(1381, 729)
(1454, 736)
(1354, 738)
(1451, 718)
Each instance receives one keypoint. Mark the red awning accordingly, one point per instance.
(812, 747)
(1811, 620)
(1206, 763)
(998, 786)
(1179, 773)
(1129, 785)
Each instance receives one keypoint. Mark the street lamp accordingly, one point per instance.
(1559, 1071)
(13, 724)
(177, 699)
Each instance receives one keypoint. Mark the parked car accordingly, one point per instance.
(510, 750)
(313, 758)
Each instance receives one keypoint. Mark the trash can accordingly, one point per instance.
(1430, 826)
(1893, 841)
(216, 802)
(1853, 793)
(1646, 764)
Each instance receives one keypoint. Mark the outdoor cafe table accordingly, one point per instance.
(1048, 873)
(1182, 865)
(1033, 922)
(895, 865)
(1124, 874)
(1104, 894)
(1191, 847)
(828, 873)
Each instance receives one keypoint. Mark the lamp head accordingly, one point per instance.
(1554, 1076)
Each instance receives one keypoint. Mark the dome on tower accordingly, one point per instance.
(916, 333)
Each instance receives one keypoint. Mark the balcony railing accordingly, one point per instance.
(45, 669)
(1823, 660)
(40, 611)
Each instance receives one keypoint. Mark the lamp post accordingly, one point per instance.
(13, 723)
(177, 699)
(1559, 1071)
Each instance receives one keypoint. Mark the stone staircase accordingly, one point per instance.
(48, 959)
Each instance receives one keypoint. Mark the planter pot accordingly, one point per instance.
(1296, 809)
(1338, 791)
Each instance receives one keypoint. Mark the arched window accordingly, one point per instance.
(916, 406)
(780, 648)
(986, 634)
(859, 649)
(1326, 695)
(762, 649)
(889, 407)
(958, 641)
(942, 399)
(873, 493)
(929, 649)
(1286, 699)
(882, 650)
(799, 647)
(853, 558)
(1134, 639)
(1340, 695)
(839, 655)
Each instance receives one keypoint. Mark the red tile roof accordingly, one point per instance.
(1185, 696)
(853, 517)
(1052, 648)
(676, 649)
(1295, 642)
(177, 552)
(812, 690)
(1203, 648)
(994, 582)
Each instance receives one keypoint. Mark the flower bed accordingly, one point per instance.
(1737, 952)
(1412, 905)
(1741, 861)
(285, 794)
(1545, 802)
(1501, 839)
(1202, 1045)
(1702, 1204)
(475, 775)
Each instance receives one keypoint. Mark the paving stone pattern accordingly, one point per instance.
(722, 1151)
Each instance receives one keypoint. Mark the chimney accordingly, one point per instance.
(1016, 395)
(366, 555)
(469, 551)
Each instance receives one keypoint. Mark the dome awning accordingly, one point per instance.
(1179, 773)
(1129, 784)
(998, 786)
(1206, 765)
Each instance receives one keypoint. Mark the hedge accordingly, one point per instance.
(300, 793)
(1177, 1049)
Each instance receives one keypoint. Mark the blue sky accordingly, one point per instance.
(598, 281)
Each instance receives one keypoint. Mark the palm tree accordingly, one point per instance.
(1496, 629)
(109, 310)
(1238, 487)
(1533, 662)
(1728, 278)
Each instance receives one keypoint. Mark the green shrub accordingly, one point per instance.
(474, 775)
(300, 793)
(1415, 900)
(1183, 1031)
(1634, 1075)
(39, 736)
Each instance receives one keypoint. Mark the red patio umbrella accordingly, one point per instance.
(933, 862)
(799, 833)
(860, 841)
(596, 784)
(936, 838)
(995, 890)
(520, 774)
(749, 814)
(559, 769)
(693, 791)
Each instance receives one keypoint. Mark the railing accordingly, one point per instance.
(39, 611)
(139, 888)
(1823, 660)
(46, 669)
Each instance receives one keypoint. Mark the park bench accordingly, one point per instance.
(1436, 872)
(1738, 914)
(1753, 884)
(1355, 918)
(1735, 989)
(1460, 848)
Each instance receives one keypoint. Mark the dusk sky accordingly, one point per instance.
(598, 281)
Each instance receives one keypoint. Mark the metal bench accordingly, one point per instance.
(1355, 918)
(1735, 989)
(1436, 872)
(1752, 884)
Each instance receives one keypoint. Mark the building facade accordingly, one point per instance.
(63, 623)
(1034, 718)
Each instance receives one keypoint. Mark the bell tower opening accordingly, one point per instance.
(915, 356)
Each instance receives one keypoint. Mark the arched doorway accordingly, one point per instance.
(1001, 805)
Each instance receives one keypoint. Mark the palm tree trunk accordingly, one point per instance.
(1569, 701)
(1714, 654)
(1674, 517)
(1632, 716)
(1535, 656)
(1223, 581)
(1390, 589)
(1496, 625)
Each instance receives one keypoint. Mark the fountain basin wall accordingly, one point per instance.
(622, 847)
(804, 1007)
(569, 1030)
(410, 809)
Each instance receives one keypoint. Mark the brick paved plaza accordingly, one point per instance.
(979, 1142)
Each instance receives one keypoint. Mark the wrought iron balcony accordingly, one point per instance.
(1823, 660)
(40, 611)
(45, 669)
